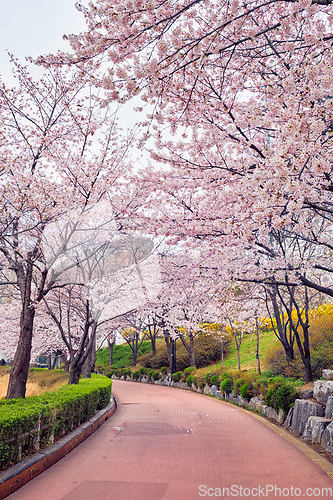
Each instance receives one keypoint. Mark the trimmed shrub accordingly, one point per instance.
(108, 374)
(136, 375)
(214, 380)
(155, 376)
(188, 371)
(27, 425)
(227, 385)
(177, 376)
(164, 370)
(142, 370)
(189, 380)
(237, 385)
(281, 394)
(285, 397)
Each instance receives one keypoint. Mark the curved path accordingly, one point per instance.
(165, 443)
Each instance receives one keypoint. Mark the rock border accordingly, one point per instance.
(20, 474)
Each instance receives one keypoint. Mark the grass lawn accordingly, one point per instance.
(248, 351)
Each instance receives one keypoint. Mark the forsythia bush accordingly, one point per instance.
(27, 425)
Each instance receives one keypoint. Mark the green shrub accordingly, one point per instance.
(237, 385)
(281, 394)
(199, 380)
(176, 376)
(108, 374)
(189, 380)
(270, 398)
(27, 425)
(188, 371)
(207, 378)
(155, 376)
(142, 370)
(244, 390)
(164, 370)
(136, 375)
(285, 397)
(214, 380)
(260, 387)
(227, 385)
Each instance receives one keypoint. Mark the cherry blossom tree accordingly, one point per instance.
(60, 152)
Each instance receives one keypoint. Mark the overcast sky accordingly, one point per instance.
(34, 27)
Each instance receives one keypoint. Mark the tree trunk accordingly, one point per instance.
(135, 350)
(257, 350)
(189, 348)
(74, 373)
(153, 345)
(110, 346)
(86, 370)
(89, 364)
(169, 348)
(238, 357)
(191, 353)
(20, 366)
(281, 334)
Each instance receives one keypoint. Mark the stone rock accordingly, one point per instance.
(240, 401)
(271, 413)
(322, 389)
(314, 429)
(327, 374)
(255, 402)
(281, 416)
(327, 438)
(303, 409)
(307, 394)
(213, 390)
(200, 390)
(206, 389)
(289, 418)
(329, 408)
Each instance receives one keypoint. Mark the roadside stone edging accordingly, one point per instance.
(322, 389)
(303, 410)
(19, 474)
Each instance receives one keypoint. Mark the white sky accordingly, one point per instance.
(34, 27)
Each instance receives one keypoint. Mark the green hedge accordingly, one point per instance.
(27, 425)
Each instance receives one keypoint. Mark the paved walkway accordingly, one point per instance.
(164, 443)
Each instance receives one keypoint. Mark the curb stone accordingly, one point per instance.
(20, 474)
